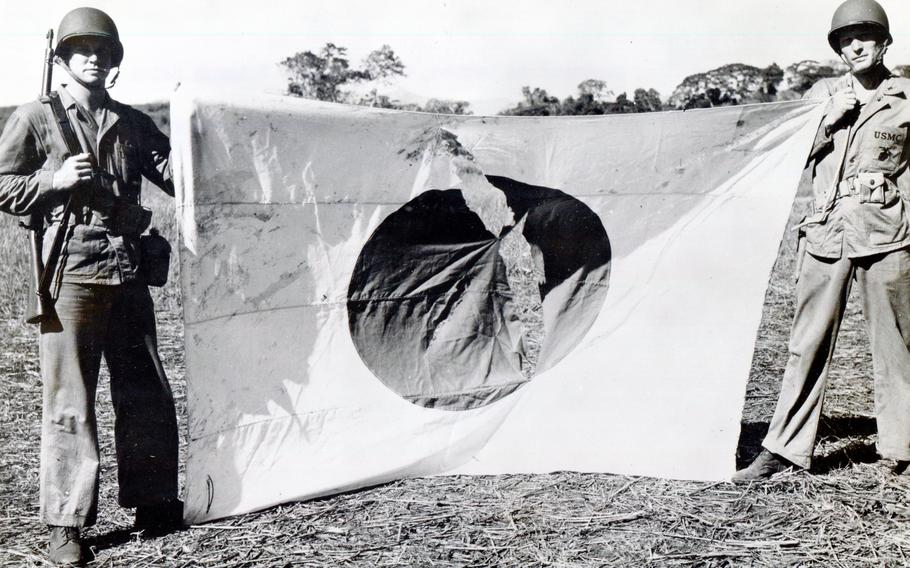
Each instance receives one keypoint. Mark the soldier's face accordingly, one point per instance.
(90, 60)
(862, 48)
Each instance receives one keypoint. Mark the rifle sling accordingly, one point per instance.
(65, 129)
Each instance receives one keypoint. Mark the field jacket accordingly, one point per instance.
(859, 175)
(126, 146)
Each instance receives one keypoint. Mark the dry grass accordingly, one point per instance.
(850, 511)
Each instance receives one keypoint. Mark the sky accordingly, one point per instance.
(480, 51)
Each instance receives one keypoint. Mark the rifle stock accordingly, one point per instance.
(37, 307)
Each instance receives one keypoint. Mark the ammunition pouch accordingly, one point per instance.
(867, 187)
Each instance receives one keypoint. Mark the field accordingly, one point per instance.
(850, 510)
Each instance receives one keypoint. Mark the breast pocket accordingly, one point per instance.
(882, 149)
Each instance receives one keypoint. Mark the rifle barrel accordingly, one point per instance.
(48, 72)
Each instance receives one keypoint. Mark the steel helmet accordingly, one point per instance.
(858, 12)
(82, 22)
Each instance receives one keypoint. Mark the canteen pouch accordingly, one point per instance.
(155, 258)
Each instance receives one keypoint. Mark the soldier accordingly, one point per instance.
(103, 306)
(860, 230)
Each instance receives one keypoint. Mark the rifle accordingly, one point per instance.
(44, 307)
(41, 303)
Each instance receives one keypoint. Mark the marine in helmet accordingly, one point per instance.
(858, 232)
(103, 307)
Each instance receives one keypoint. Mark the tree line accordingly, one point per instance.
(329, 75)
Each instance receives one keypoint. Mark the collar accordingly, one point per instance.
(113, 115)
(890, 85)
(894, 88)
(69, 101)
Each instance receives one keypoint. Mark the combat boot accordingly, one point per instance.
(764, 466)
(64, 546)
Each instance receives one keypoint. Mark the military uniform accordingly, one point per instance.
(860, 230)
(103, 306)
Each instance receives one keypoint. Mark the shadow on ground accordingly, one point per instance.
(832, 428)
(98, 543)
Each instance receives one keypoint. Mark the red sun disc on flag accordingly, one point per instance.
(433, 308)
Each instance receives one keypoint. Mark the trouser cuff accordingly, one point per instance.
(63, 520)
(804, 462)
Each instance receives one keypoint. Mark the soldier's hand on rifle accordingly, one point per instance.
(75, 170)
(842, 102)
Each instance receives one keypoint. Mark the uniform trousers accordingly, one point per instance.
(822, 290)
(118, 323)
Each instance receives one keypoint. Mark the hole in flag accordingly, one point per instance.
(449, 315)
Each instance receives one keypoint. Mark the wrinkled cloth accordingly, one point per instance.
(117, 322)
(126, 145)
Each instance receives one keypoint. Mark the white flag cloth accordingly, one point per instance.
(371, 295)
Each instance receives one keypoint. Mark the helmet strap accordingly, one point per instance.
(59, 61)
(114, 76)
(880, 59)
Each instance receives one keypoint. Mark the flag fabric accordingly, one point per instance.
(370, 294)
